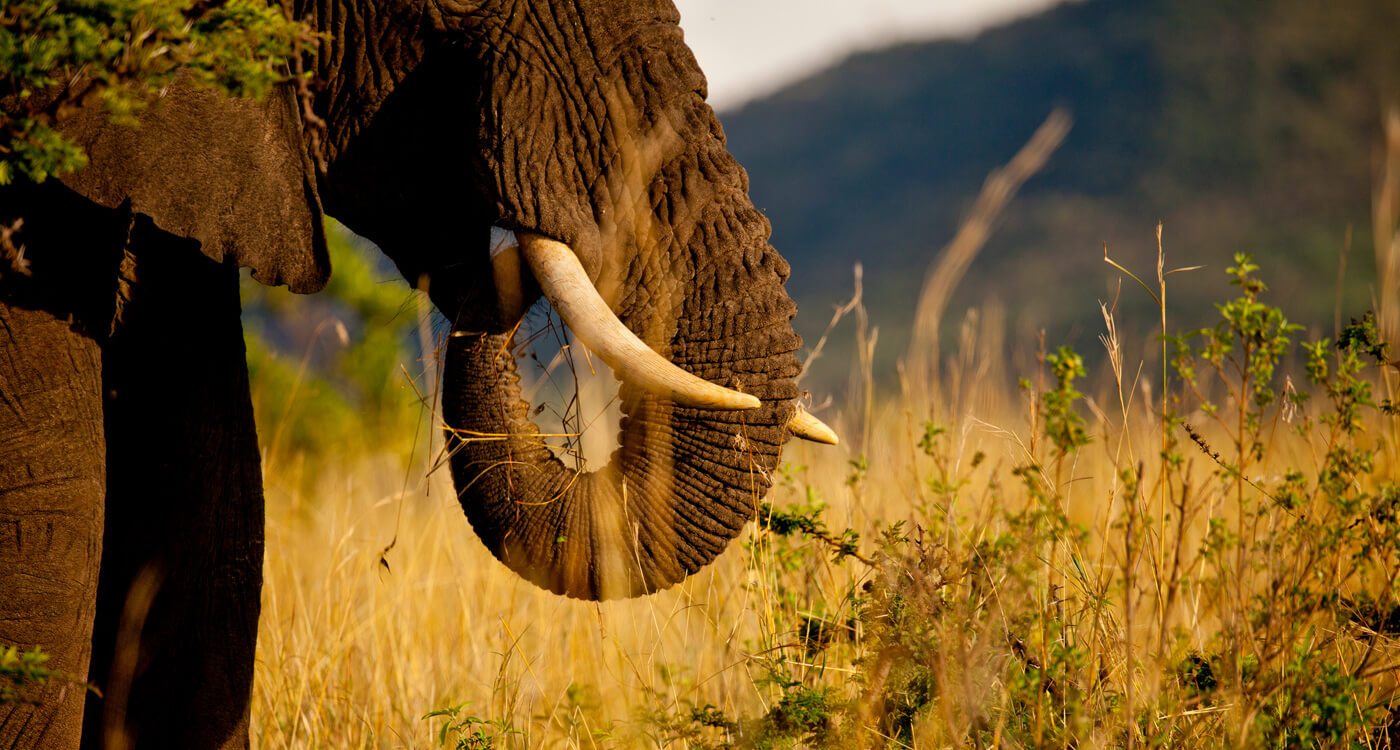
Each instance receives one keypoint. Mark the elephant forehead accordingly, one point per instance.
(231, 174)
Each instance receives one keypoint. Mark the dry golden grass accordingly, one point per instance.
(1038, 593)
(357, 645)
(352, 652)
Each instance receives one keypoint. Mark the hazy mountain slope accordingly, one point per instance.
(1246, 125)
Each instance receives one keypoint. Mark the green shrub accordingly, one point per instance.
(59, 55)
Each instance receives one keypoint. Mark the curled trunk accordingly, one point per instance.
(683, 481)
(680, 487)
(624, 163)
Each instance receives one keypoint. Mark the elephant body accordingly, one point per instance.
(131, 509)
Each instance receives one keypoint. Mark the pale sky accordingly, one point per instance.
(749, 48)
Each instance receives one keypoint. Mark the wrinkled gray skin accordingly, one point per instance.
(130, 499)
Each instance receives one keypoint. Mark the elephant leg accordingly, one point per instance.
(51, 487)
(178, 598)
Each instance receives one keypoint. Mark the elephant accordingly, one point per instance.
(131, 506)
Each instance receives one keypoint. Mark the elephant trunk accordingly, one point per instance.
(706, 292)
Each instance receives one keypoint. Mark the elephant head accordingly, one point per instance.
(588, 135)
(582, 127)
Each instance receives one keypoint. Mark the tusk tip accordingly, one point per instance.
(703, 394)
(711, 396)
(808, 427)
(745, 401)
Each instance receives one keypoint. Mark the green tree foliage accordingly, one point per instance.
(21, 672)
(337, 374)
(24, 674)
(57, 56)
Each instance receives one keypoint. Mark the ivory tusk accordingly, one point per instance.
(569, 290)
(508, 270)
(808, 427)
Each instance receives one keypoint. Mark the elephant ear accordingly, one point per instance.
(232, 174)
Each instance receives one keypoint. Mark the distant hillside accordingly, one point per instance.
(1246, 125)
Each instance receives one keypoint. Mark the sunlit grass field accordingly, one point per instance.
(1199, 608)
(1196, 548)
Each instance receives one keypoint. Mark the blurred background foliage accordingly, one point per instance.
(337, 376)
(1245, 125)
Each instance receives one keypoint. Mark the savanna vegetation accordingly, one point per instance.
(1175, 538)
(1245, 125)
(1204, 550)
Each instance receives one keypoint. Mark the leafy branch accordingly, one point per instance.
(23, 673)
(60, 56)
(805, 522)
